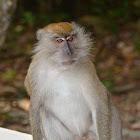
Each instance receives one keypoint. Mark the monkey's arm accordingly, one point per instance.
(35, 118)
(28, 82)
(99, 103)
(34, 105)
(109, 125)
(101, 112)
(116, 124)
(34, 112)
(108, 121)
(103, 123)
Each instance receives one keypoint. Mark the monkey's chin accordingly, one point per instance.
(68, 62)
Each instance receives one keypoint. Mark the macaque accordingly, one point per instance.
(68, 101)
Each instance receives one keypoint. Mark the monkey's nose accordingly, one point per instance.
(69, 52)
(68, 49)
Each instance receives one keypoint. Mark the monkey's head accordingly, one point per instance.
(64, 43)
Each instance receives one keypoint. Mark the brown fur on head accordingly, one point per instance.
(60, 28)
(49, 48)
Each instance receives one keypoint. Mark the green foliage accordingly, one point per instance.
(62, 17)
(109, 84)
(136, 39)
(112, 12)
(43, 19)
(29, 18)
(111, 26)
(137, 46)
(112, 9)
(10, 74)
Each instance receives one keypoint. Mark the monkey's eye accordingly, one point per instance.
(70, 38)
(60, 40)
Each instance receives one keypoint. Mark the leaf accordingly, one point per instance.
(135, 125)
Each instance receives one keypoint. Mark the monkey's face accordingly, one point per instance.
(64, 43)
(65, 47)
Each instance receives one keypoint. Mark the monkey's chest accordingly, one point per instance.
(66, 101)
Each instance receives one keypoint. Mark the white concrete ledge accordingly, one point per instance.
(7, 134)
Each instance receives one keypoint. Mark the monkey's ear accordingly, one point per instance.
(39, 34)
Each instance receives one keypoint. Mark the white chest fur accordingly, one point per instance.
(63, 95)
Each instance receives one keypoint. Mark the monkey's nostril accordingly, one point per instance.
(69, 52)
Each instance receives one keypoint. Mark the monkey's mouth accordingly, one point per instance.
(70, 62)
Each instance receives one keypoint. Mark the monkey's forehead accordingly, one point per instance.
(61, 28)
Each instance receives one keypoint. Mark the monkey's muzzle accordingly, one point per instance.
(68, 62)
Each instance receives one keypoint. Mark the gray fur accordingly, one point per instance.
(68, 100)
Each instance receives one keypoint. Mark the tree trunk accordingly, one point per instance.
(7, 8)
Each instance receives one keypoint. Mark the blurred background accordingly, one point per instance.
(115, 26)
